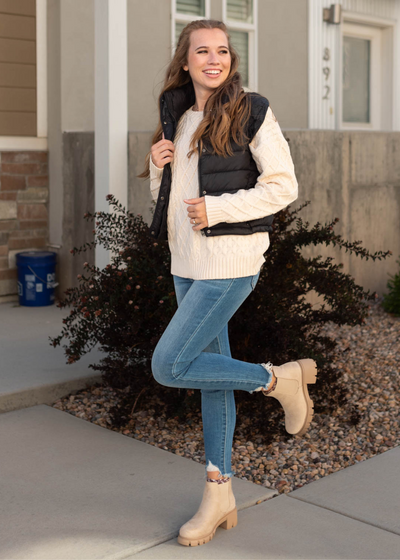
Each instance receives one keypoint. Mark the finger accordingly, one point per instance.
(168, 143)
(165, 153)
(199, 220)
(160, 162)
(198, 210)
(197, 217)
(163, 157)
(163, 136)
(164, 144)
(193, 200)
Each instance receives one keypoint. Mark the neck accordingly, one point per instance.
(201, 98)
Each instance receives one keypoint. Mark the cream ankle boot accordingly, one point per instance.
(291, 391)
(218, 508)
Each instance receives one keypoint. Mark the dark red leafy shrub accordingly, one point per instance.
(274, 324)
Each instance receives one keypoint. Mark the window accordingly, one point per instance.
(185, 11)
(240, 17)
(191, 7)
(361, 76)
(356, 79)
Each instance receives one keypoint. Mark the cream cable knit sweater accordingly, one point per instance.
(196, 256)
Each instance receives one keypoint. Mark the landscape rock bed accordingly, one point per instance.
(369, 355)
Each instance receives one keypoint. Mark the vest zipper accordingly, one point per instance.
(200, 189)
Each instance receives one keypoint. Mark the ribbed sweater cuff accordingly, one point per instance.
(155, 172)
(214, 210)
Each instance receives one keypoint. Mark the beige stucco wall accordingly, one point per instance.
(70, 52)
(149, 52)
(77, 63)
(283, 59)
(282, 56)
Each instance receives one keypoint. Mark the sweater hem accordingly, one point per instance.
(216, 268)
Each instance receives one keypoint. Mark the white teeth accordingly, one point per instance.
(213, 72)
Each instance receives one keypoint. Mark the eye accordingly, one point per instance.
(224, 52)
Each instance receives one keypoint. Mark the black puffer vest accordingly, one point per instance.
(217, 174)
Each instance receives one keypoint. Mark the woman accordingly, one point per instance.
(220, 169)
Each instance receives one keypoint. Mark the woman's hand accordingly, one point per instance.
(162, 152)
(197, 213)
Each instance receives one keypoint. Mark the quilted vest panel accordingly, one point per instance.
(217, 174)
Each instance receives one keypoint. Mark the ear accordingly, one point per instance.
(185, 68)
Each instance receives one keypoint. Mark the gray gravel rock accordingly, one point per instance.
(369, 356)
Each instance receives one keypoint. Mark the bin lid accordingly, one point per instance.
(36, 257)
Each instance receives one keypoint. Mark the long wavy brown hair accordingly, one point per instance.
(226, 111)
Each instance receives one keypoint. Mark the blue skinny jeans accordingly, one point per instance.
(194, 353)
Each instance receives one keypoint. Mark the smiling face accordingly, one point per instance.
(208, 60)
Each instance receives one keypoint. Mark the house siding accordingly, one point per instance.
(18, 68)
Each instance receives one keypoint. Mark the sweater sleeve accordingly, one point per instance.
(276, 185)
(155, 179)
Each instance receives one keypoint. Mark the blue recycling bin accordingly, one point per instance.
(36, 277)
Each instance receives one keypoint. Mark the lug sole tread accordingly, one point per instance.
(229, 521)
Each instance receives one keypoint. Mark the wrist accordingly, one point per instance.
(213, 210)
(154, 170)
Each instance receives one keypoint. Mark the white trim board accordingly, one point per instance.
(41, 67)
(23, 143)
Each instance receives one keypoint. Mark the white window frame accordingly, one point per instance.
(252, 30)
(178, 17)
(383, 69)
(38, 142)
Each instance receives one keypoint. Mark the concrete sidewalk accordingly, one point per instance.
(31, 371)
(72, 490)
(351, 514)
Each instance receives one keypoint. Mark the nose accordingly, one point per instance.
(212, 58)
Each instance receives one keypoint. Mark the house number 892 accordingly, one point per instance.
(326, 71)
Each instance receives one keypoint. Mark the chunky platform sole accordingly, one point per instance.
(309, 376)
(227, 522)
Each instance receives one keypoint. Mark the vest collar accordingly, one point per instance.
(178, 101)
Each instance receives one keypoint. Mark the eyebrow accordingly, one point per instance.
(204, 47)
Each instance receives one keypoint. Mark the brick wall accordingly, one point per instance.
(24, 196)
